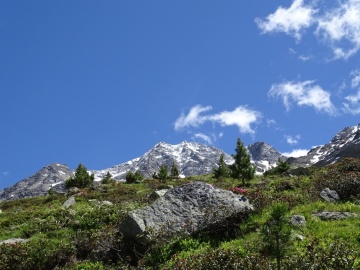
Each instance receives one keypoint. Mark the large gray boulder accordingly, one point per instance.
(186, 209)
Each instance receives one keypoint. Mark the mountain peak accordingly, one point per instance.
(50, 176)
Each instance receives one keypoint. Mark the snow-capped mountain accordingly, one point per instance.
(191, 159)
(53, 175)
(346, 143)
(263, 156)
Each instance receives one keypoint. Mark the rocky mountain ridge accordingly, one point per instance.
(39, 184)
(345, 143)
(191, 159)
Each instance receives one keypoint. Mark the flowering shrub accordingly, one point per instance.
(239, 190)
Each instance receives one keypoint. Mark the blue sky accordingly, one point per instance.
(101, 82)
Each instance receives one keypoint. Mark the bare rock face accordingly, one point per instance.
(186, 209)
(39, 184)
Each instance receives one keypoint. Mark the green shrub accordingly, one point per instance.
(343, 177)
(220, 259)
(40, 254)
(133, 177)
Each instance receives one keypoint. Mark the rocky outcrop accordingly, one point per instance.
(186, 209)
(39, 184)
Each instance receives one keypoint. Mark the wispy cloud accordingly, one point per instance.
(242, 117)
(292, 21)
(4, 174)
(292, 140)
(304, 58)
(296, 153)
(352, 102)
(303, 94)
(203, 137)
(337, 27)
(355, 78)
(340, 27)
(193, 118)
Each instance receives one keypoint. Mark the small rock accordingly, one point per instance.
(95, 201)
(69, 202)
(158, 193)
(106, 203)
(329, 195)
(14, 241)
(0, 211)
(297, 220)
(334, 215)
(73, 190)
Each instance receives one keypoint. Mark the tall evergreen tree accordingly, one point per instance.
(174, 171)
(81, 179)
(242, 168)
(222, 170)
(163, 172)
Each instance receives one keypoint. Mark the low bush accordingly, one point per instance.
(343, 177)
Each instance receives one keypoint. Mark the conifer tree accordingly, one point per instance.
(133, 177)
(276, 232)
(107, 179)
(242, 168)
(163, 172)
(174, 171)
(222, 170)
(81, 179)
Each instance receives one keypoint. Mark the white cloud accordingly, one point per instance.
(303, 94)
(242, 117)
(337, 27)
(203, 137)
(270, 122)
(304, 58)
(292, 21)
(296, 153)
(292, 140)
(352, 105)
(355, 78)
(193, 119)
(341, 28)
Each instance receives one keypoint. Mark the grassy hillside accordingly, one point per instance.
(85, 236)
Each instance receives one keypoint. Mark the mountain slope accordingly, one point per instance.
(344, 144)
(39, 184)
